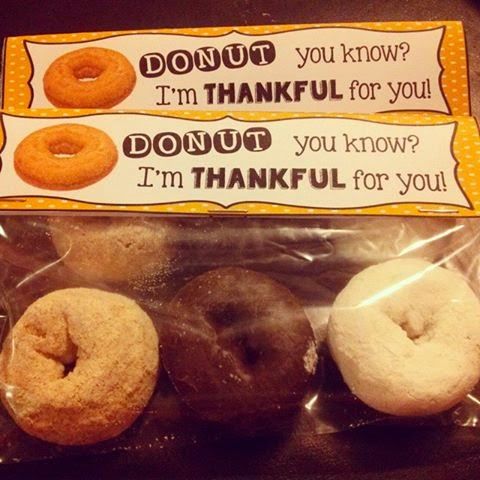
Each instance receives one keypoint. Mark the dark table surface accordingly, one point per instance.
(364, 453)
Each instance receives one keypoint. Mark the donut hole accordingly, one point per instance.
(250, 352)
(246, 349)
(64, 148)
(227, 315)
(59, 348)
(232, 323)
(415, 326)
(68, 358)
(87, 73)
(69, 367)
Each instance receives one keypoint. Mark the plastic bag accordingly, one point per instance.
(315, 259)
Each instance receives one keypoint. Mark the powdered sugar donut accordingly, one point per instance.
(406, 337)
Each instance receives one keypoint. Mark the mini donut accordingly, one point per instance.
(79, 366)
(405, 335)
(90, 77)
(65, 157)
(237, 346)
(365, 241)
(114, 249)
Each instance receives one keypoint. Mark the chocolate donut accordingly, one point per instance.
(237, 345)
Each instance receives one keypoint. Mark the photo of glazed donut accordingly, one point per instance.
(90, 77)
(65, 157)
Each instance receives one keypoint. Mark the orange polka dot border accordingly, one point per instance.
(453, 55)
(466, 149)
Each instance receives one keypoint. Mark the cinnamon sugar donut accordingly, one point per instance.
(113, 249)
(65, 157)
(79, 366)
(90, 77)
(237, 345)
(406, 337)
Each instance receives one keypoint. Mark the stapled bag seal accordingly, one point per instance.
(358, 67)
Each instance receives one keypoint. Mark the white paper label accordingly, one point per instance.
(330, 163)
(316, 69)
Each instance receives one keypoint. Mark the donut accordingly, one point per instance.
(237, 346)
(405, 335)
(90, 77)
(65, 157)
(79, 366)
(114, 249)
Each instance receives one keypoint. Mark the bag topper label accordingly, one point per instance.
(378, 67)
(271, 164)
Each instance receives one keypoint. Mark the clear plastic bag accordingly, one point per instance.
(313, 258)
